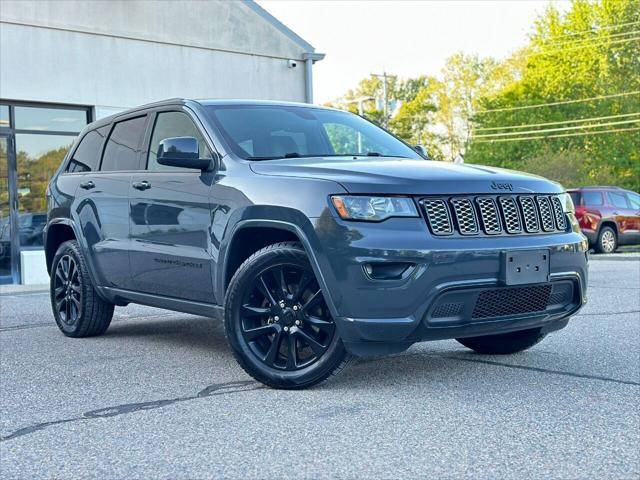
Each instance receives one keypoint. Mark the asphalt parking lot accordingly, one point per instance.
(160, 396)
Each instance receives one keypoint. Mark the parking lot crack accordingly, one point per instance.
(545, 370)
(123, 409)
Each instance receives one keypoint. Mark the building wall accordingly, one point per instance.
(116, 54)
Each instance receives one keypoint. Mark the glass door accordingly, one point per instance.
(8, 214)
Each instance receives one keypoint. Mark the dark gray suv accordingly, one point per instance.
(316, 235)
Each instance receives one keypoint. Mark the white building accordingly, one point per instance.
(64, 63)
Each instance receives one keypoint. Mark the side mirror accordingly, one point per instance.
(421, 150)
(182, 152)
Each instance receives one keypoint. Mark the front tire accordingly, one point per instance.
(277, 322)
(503, 344)
(607, 240)
(77, 308)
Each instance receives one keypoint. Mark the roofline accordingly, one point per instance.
(203, 102)
(308, 48)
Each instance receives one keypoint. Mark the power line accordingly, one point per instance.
(592, 30)
(597, 43)
(589, 39)
(579, 127)
(560, 122)
(564, 102)
(559, 136)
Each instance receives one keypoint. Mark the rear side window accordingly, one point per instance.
(169, 125)
(634, 198)
(575, 197)
(593, 199)
(121, 152)
(618, 200)
(87, 156)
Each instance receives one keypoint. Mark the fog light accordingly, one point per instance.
(388, 270)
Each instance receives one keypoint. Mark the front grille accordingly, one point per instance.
(494, 215)
(502, 302)
(548, 225)
(489, 215)
(448, 310)
(465, 216)
(510, 215)
(558, 212)
(438, 217)
(529, 214)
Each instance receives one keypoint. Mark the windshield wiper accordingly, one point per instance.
(279, 157)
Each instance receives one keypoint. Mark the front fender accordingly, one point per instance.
(280, 218)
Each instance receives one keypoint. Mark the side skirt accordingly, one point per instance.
(120, 296)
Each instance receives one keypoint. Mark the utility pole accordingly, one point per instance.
(385, 93)
(360, 101)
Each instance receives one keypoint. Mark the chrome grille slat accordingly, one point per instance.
(438, 217)
(558, 213)
(502, 215)
(529, 214)
(465, 216)
(510, 215)
(546, 217)
(489, 215)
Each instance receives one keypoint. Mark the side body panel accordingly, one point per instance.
(102, 215)
(170, 244)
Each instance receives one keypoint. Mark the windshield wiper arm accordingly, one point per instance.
(265, 158)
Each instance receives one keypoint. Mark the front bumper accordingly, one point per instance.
(385, 316)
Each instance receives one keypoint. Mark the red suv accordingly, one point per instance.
(608, 216)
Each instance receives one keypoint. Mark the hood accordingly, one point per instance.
(385, 175)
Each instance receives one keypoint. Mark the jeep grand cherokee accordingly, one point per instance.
(313, 233)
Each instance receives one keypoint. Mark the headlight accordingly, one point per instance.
(567, 203)
(373, 209)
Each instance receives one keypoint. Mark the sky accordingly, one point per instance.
(405, 38)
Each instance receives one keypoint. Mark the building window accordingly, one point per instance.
(37, 138)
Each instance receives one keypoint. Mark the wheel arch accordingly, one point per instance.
(242, 244)
(608, 223)
(58, 232)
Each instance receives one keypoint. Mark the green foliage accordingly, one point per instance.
(589, 52)
(476, 105)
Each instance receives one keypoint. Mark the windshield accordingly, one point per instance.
(267, 132)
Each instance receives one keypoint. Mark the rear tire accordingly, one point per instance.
(77, 308)
(277, 322)
(607, 240)
(503, 344)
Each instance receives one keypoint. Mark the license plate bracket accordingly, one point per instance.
(524, 266)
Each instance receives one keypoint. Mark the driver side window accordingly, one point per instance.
(169, 125)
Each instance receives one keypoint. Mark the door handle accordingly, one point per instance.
(88, 185)
(143, 185)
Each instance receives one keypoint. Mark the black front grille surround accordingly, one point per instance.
(494, 215)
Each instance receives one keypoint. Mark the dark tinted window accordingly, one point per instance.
(592, 198)
(618, 200)
(87, 155)
(173, 124)
(263, 132)
(575, 197)
(121, 152)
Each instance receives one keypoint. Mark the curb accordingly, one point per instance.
(22, 289)
(617, 257)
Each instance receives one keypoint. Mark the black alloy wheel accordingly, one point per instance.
(77, 308)
(67, 291)
(277, 321)
(284, 318)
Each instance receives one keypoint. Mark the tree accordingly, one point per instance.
(591, 52)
